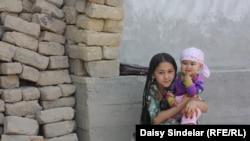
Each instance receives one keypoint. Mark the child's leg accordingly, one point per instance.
(193, 120)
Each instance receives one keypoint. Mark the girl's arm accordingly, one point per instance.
(166, 114)
(191, 108)
(189, 105)
(201, 105)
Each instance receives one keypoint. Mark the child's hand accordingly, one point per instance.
(171, 100)
(173, 103)
(187, 77)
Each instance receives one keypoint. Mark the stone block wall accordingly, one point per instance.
(93, 35)
(37, 94)
(43, 43)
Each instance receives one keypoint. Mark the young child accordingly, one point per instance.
(189, 82)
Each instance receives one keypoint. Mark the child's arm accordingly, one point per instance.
(171, 99)
(195, 86)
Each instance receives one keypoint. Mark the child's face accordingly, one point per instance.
(164, 74)
(190, 68)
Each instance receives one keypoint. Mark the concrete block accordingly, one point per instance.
(114, 90)
(107, 108)
(113, 133)
(94, 114)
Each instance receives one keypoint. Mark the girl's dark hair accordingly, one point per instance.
(154, 62)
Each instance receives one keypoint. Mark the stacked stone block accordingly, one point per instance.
(93, 35)
(37, 94)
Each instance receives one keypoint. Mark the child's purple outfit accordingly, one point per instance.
(195, 88)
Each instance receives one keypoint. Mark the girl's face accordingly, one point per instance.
(190, 68)
(164, 75)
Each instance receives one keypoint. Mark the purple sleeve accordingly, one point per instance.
(197, 87)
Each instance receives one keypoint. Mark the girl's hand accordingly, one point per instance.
(190, 110)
